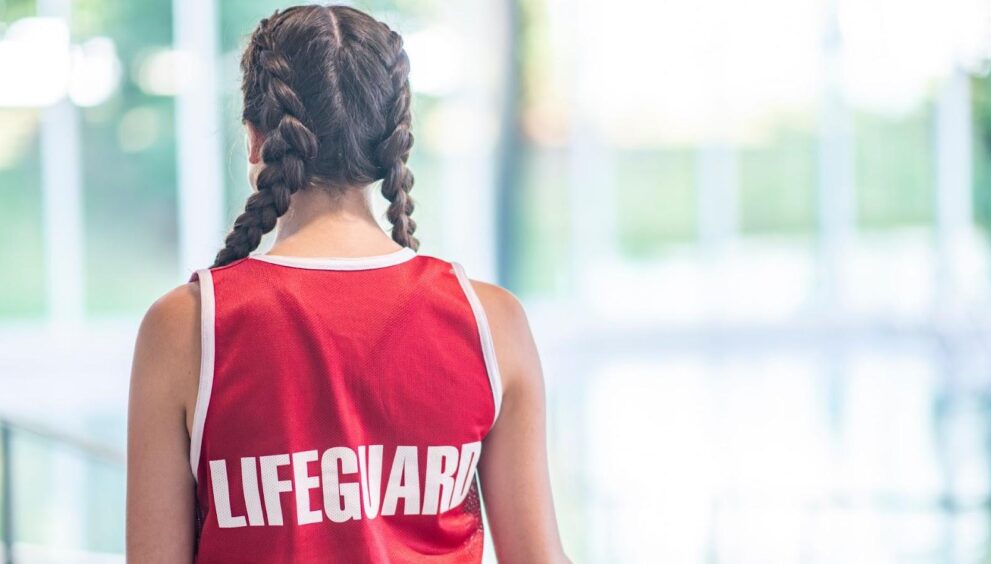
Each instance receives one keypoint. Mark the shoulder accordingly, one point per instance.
(504, 312)
(167, 349)
(171, 315)
(500, 304)
(516, 351)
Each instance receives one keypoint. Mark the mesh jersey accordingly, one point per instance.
(341, 410)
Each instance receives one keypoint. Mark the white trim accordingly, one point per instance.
(340, 263)
(207, 339)
(485, 335)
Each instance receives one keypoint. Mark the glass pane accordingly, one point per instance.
(894, 168)
(656, 198)
(778, 180)
(128, 156)
(22, 287)
(981, 92)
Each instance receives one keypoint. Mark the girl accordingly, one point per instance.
(333, 399)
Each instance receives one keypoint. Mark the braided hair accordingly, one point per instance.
(328, 87)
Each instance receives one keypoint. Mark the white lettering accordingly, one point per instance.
(449, 474)
(466, 471)
(222, 496)
(249, 482)
(442, 461)
(333, 491)
(371, 478)
(403, 483)
(304, 483)
(273, 487)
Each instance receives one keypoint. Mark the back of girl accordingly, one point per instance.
(341, 398)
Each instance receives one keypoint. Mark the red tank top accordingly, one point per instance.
(341, 411)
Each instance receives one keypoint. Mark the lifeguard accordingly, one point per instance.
(350, 482)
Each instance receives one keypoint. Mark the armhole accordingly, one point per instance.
(485, 336)
(207, 338)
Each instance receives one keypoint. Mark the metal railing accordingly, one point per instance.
(88, 448)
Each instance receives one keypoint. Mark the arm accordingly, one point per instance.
(160, 486)
(513, 470)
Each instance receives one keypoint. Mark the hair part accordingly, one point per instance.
(328, 87)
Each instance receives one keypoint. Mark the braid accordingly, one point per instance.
(328, 86)
(288, 145)
(393, 152)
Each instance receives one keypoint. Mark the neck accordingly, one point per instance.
(325, 222)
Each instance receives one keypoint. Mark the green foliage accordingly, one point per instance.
(543, 220)
(22, 287)
(655, 191)
(134, 26)
(129, 194)
(11, 10)
(981, 100)
(894, 169)
(778, 183)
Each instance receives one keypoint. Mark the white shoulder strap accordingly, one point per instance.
(485, 334)
(207, 339)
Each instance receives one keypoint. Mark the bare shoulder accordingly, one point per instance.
(171, 318)
(516, 351)
(167, 351)
(513, 467)
(501, 306)
(164, 376)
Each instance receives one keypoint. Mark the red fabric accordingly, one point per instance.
(311, 359)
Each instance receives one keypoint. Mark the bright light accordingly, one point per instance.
(436, 60)
(96, 72)
(698, 71)
(40, 66)
(693, 71)
(34, 62)
(893, 51)
(166, 72)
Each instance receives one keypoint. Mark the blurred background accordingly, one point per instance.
(752, 239)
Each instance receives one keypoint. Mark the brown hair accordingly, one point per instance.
(328, 86)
